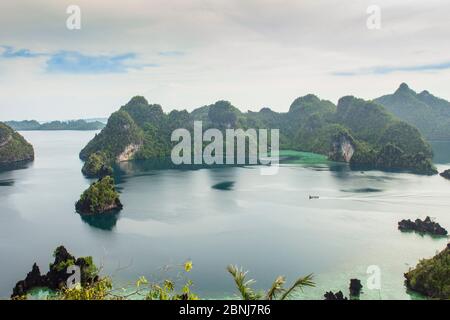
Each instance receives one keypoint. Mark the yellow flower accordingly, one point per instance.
(168, 285)
(188, 266)
(142, 280)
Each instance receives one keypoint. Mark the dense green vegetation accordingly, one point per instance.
(382, 141)
(360, 132)
(56, 125)
(24, 125)
(100, 197)
(103, 289)
(430, 114)
(97, 166)
(13, 147)
(120, 132)
(431, 277)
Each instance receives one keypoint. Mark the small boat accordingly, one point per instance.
(313, 197)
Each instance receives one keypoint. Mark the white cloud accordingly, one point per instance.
(254, 53)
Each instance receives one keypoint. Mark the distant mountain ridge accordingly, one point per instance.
(56, 125)
(362, 133)
(430, 114)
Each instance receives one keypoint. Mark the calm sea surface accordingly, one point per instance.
(216, 217)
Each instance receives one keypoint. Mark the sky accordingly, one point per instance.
(183, 54)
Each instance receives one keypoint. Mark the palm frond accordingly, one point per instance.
(243, 285)
(276, 288)
(299, 285)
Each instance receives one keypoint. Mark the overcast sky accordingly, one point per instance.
(183, 54)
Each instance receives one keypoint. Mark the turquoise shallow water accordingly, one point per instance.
(215, 217)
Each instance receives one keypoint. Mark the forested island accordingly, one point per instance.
(31, 125)
(362, 133)
(431, 277)
(13, 147)
(430, 114)
(100, 197)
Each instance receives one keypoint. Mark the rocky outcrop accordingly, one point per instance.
(355, 288)
(57, 276)
(426, 226)
(446, 174)
(34, 279)
(355, 291)
(342, 148)
(334, 296)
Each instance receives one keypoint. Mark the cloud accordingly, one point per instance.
(254, 53)
(78, 63)
(382, 70)
(74, 62)
(9, 53)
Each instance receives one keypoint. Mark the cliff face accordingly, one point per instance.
(129, 152)
(13, 147)
(343, 148)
